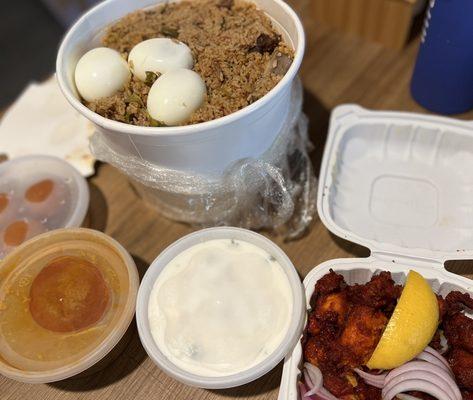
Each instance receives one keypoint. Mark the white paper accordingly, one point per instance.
(41, 121)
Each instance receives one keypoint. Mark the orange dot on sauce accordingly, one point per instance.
(15, 233)
(69, 294)
(40, 191)
(3, 201)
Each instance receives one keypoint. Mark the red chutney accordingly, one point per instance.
(69, 294)
(40, 191)
(3, 202)
(15, 233)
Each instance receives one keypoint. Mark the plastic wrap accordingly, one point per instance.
(275, 192)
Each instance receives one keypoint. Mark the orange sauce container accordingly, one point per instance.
(67, 297)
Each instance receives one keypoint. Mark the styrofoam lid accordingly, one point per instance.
(399, 183)
(39, 194)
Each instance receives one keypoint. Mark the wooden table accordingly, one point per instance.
(336, 70)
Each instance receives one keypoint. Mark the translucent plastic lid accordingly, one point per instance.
(66, 299)
(38, 194)
(399, 183)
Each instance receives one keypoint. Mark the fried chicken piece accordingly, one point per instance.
(442, 307)
(347, 386)
(467, 395)
(456, 301)
(361, 335)
(436, 342)
(332, 308)
(315, 352)
(338, 385)
(458, 330)
(313, 326)
(325, 321)
(329, 283)
(323, 352)
(363, 391)
(461, 362)
(329, 305)
(379, 292)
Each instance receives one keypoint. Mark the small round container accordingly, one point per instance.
(246, 133)
(38, 194)
(293, 333)
(35, 349)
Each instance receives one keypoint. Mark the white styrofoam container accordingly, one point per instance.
(246, 133)
(401, 185)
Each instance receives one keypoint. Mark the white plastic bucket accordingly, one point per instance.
(205, 148)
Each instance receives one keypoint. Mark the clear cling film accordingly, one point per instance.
(276, 191)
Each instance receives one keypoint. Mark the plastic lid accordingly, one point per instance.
(38, 194)
(399, 183)
(66, 299)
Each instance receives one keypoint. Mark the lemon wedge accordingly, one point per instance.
(411, 327)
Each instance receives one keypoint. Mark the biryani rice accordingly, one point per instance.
(237, 52)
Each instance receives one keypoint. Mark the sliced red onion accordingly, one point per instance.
(442, 380)
(315, 376)
(302, 390)
(431, 374)
(372, 379)
(304, 395)
(431, 359)
(392, 389)
(307, 380)
(314, 380)
(414, 366)
(436, 354)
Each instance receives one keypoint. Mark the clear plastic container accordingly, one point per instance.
(38, 194)
(293, 333)
(67, 297)
(398, 184)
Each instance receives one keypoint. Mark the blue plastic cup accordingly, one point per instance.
(443, 76)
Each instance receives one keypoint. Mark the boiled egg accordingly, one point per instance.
(101, 72)
(175, 96)
(159, 55)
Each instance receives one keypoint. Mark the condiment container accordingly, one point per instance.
(67, 269)
(399, 184)
(246, 133)
(38, 194)
(251, 374)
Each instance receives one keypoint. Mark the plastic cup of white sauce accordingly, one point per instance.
(293, 332)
